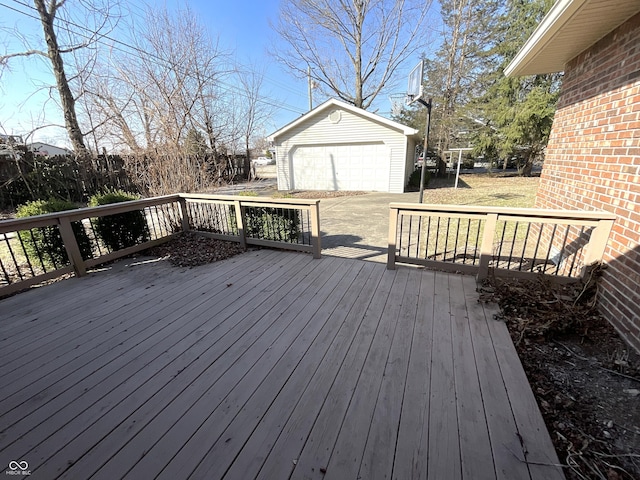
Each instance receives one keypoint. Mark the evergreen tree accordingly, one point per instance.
(517, 112)
(473, 102)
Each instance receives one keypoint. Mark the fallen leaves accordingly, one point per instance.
(191, 250)
(583, 375)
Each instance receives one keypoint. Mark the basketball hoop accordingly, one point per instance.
(398, 101)
(414, 88)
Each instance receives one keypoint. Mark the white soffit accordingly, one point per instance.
(570, 27)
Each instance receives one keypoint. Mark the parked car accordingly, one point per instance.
(432, 161)
(262, 161)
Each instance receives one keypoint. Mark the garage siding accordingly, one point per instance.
(322, 129)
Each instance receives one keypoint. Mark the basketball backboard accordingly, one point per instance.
(414, 89)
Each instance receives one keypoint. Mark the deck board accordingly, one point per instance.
(413, 434)
(444, 445)
(268, 365)
(475, 448)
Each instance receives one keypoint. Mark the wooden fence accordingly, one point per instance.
(516, 242)
(74, 242)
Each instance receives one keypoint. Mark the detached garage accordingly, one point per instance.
(337, 146)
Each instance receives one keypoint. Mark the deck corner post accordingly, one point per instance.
(597, 244)
(316, 241)
(240, 224)
(71, 247)
(393, 232)
(184, 214)
(486, 249)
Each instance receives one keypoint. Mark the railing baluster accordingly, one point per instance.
(147, 213)
(504, 229)
(428, 240)
(401, 236)
(418, 236)
(546, 260)
(446, 241)
(13, 257)
(7, 278)
(535, 252)
(579, 249)
(37, 249)
(435, 253)
(455, 245)
(26, 256)
(466, 242)
(524, 246)
(475, 250)
(513, 243)
(564, 244)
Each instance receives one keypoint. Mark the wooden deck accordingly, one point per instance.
(269, 365)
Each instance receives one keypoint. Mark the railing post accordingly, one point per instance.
(316, 241)
(393, 234)
(240, 224)
(597, 244)
(71, 246)
(184, 213)
(486, 249)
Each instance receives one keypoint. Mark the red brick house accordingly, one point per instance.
(592, 160)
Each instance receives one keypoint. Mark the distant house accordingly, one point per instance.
(10, 139)
(7, 142)
(47, 150)
(337, 146)
(593, 157)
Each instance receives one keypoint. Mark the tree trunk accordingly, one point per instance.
(66, 97)
(358, 101)
(527, 168)
(247, 162)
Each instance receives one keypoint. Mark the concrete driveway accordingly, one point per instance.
(358, 226)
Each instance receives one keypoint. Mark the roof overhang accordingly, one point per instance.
(570, 27)
(332, 103)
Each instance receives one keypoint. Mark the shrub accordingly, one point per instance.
(268, 223)
(271, 223)
(120, 230)
(46, 242)
(414, 178)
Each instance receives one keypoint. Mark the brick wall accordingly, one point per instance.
(593, 161)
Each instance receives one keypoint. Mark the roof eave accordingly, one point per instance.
(551, 24)
(569, 28)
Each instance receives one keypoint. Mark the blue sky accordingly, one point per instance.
(243, 27)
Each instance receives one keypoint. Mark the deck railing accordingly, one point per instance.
(516, 242)
(75, 244)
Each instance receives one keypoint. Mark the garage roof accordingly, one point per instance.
(570, 27)
(346, 106)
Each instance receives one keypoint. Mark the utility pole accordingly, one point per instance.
(426, 146)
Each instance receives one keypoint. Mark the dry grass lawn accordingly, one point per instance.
(483, 189)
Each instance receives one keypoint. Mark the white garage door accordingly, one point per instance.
(341, 167)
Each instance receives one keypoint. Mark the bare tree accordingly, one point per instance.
(254, 112)
(353, 48)
(149, 97)
(54, 20)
